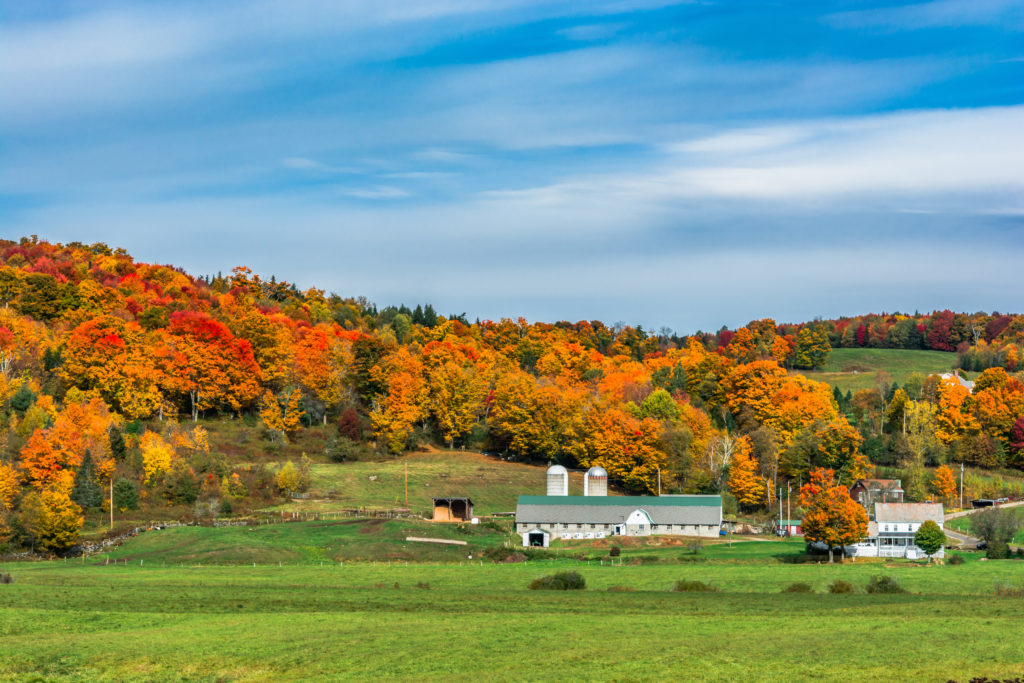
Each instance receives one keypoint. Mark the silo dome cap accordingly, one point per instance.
(557, 469)
(597, 472)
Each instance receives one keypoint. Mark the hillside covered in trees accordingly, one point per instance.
(110, 368)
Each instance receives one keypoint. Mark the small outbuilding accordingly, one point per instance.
(789, 527)
(452, 509)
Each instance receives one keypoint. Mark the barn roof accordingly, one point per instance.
(615, 509)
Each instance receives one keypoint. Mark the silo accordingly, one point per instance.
(558, 481)
(595, 483)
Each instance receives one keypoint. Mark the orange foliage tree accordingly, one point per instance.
(830, 515)
(625, 445)
(944, 484)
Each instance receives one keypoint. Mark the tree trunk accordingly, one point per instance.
(830, 560)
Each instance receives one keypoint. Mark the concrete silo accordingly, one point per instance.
(595, 483)
(558, 481)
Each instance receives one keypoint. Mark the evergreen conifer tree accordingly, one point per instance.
(86, 491)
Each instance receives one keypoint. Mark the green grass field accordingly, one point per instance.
(492, 484)
(853, 369)
(90, 622)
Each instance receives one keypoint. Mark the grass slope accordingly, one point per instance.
(491, 483)
(853, 369)
(308, 542)
(72, 622)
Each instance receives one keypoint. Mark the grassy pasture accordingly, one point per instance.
(74, 622)
(491, 483)
(853, 369)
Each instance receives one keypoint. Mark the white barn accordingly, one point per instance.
(579, 517)
(891, 534)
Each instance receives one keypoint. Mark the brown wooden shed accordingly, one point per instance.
(452, 510)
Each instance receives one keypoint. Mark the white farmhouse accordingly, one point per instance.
(891, 534)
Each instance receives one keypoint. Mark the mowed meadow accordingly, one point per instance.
(157, 620)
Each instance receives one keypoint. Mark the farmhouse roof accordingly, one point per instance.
(909, 512)
(615, 509)
(880, 483)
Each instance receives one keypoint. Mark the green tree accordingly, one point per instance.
(996, 526)
(660, 405)
(126, 495)
(117, 445)
(929, 538)
(23, 398)
(86, 492)
(812, 348)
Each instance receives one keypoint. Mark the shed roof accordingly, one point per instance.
(449, 499)
(615, 509)
(909, 512)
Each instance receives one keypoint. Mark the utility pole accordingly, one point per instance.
(789, 510)
(406, 484)
(961, 486)
(780, 507)
(111, 502)
(659, 481)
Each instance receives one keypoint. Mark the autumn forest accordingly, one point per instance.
(113, 371)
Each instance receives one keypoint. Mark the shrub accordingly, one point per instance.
(955, 559)
(695, 547)
(884, 584)
(684, 586)
(997, 550)
(840, 587)
(620, 589)
(798, 587)
(561, 581)
(1007, 591)
(6, 578)
(421, 585)
(615, 551)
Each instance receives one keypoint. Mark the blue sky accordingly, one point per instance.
(685, 165)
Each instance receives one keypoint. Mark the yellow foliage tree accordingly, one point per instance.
(403, 406)
(50, 519)
(8, 486)
(745, 481)
(157, 455)
(282, 419)
(289, 479)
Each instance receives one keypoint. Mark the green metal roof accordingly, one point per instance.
(637, 501)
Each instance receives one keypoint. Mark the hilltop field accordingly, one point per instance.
(149, 618)
(853, 369)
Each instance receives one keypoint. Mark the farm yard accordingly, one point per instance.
(148, 614)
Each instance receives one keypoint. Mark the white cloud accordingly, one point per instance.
(915, 15)
(378, 192)
(930, 153)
